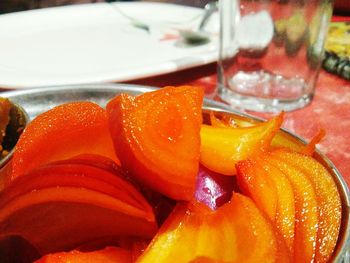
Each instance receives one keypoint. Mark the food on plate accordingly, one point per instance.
(62, 132)
(12, 122)
(223, 147)
(305, 216)
(302, 185)
(253, 182)
(280, 139)
(235, 232)
(4, 118)
(327, 196)
(156, 137)
(213, 189)
(145, 180)
(337, 49)
(72, 203)
(106, 255)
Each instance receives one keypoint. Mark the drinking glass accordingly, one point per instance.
(271, 52)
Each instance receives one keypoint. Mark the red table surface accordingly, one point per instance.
(330, 110)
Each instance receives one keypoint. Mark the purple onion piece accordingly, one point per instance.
(213, 189)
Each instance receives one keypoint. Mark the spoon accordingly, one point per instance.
(199, 36)
(192, 37)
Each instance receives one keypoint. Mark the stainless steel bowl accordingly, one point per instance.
(36, 101)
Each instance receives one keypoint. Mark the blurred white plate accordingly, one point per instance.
(97, 43)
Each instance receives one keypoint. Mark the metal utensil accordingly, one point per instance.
(200, 36)
(192, 37)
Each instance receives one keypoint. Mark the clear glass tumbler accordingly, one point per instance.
(271, 52)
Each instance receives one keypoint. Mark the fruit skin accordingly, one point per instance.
(60, 206)
(254, 183)
(223, 147)
(272, 192)
(75, 173)
(328, 200)
(235, 232)
(106, 255)
(156, 137)
(62, 132)
(281, 138)
(306, 210)
(285, 210)
(317, 201)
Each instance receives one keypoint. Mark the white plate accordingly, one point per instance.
(97, 43)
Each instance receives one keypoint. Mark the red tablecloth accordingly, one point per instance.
(330, 110)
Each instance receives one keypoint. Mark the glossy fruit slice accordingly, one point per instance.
(253, 182)
(106, 255)
(271, 191)
(59, 207)
(97, 161)
(162, 206)
(225, 121)
(100, 162)
(235, 232)
(309, 148)
(156, 136)
(71, 174)
(280, 140)
(55, 219)
(328, 200)
(5, 174)
(284, 140)
(223, 147)
(306, 209)
(285, 210)
(62, 132)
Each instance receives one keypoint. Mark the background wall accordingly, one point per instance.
(341, 7)
(20, 5)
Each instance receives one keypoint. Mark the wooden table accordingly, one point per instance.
(330, 110)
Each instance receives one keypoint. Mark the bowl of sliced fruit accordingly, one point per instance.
(163, 175)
